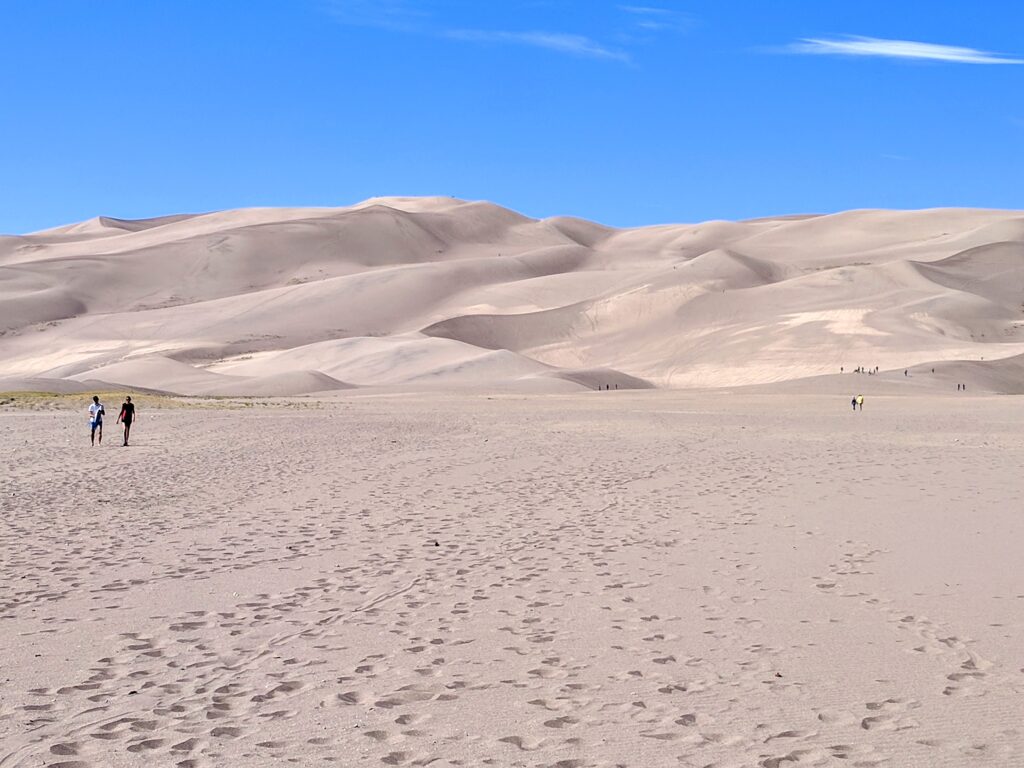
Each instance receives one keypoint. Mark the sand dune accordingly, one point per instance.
(390, 360)
(57, 386)
(404, 292)
(157, 373)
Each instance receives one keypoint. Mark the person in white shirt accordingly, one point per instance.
(96, 412)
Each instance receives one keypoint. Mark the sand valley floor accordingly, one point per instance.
(636, 579)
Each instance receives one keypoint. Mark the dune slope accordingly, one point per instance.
(437, 292)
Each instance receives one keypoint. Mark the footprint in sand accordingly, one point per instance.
(524, 744)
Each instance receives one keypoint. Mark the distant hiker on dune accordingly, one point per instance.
(96, 412)
(127, 416)
(853, 403)
(860, 402)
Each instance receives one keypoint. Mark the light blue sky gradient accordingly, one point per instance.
(627, 113)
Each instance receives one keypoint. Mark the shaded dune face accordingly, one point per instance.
(440, 293)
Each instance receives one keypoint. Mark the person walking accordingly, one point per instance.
(127, 416)
(853, 403)
(96, 411)
(860, 402)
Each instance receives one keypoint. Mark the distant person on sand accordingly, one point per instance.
(860, 402)
(96, 412)
(853, 403)
(127, 416)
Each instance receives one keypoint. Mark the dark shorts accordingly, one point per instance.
(98, 424)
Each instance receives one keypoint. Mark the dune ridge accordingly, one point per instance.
(425, 293)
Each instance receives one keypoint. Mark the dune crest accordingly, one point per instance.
(438, 292)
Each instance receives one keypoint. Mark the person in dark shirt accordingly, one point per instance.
(127, 417)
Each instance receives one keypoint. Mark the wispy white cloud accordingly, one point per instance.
(655, 19)
(404, 16)
(396, 15)
(897, 49)
(576, 45)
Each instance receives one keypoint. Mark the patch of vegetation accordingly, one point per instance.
(56, 401)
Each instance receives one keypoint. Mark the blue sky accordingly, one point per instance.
(628, 113)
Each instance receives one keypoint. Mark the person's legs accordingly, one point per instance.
(99, 428)
(127, 430)
(92, 434)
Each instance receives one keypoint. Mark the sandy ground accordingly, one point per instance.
(613, 579)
